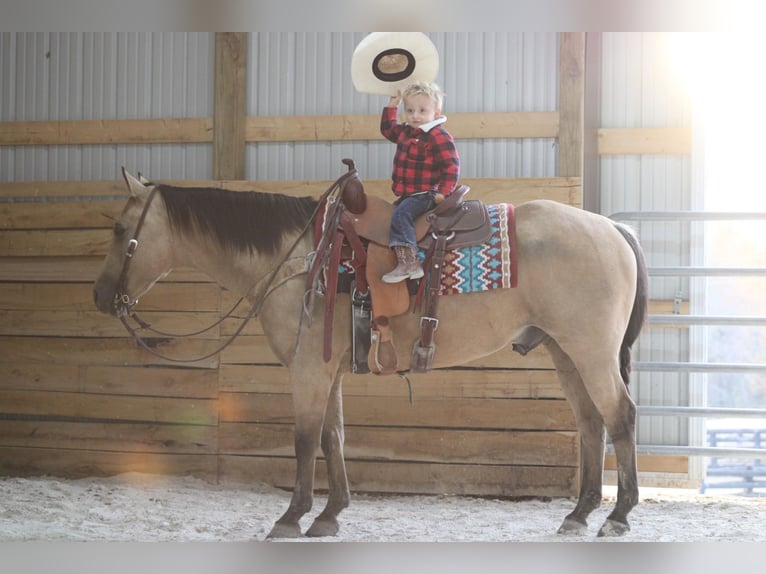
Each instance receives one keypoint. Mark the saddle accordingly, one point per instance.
(360, 224)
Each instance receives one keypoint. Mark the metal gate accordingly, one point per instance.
(677, 319)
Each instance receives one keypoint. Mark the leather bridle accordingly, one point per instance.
(122, 301)
(123, 304)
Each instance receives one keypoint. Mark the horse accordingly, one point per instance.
(581, 293)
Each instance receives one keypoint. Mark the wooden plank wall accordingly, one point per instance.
(78, 398)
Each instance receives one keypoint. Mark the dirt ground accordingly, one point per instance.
(147, 508)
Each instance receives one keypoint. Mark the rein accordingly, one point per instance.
(124, 304)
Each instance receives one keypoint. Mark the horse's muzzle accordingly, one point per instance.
(103, 302)
(108, 301)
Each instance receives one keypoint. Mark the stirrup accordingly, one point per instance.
(374, 359)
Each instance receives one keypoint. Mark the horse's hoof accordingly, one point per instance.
(323, 528)
(284, 530)
(571, 527)
(613, 528)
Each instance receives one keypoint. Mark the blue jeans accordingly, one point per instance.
(406, 209)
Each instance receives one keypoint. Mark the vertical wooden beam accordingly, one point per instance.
(230, 105)
(571, 103)
(591, 177)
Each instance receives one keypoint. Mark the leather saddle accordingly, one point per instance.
(465, 221)
(354, 219)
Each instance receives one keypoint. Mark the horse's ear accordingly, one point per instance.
(142, 179)
(137, 188)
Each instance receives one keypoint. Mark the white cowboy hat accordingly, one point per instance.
(384, 62)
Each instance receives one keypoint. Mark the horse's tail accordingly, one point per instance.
(640, 303)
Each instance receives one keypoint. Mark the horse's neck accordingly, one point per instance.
(239, 272)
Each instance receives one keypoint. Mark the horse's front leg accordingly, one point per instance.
(310, 394)
(326, 524)
(306, 443)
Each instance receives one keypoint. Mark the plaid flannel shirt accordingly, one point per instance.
(424, 160)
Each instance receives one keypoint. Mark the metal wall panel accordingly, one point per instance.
(309, 73)
(69, 76)
(640, 89)
(72, 76)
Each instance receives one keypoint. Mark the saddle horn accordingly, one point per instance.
(352, 190)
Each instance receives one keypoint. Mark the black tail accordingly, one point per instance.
(640, 303)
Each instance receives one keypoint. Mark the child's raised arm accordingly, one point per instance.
(395, 99)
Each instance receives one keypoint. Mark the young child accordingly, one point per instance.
(426, 168)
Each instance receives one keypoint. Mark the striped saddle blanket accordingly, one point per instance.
(490, 265)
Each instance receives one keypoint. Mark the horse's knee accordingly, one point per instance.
(622, 426)
(332, 439)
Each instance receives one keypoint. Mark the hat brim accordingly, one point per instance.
(384, 62)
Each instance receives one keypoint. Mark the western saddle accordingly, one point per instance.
(355, 227)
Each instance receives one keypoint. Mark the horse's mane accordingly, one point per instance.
(249, 220)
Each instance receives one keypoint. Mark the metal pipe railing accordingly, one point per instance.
(688, 216)
(682, 367)
(681, 320)
(712, 412)
(675, 320)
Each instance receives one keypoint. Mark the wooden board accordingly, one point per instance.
(517, 414)
(654, 463)
(470, 125)
(451, 446)
(113, 437)
(641, 141)
(456, 382)
(97, 351)
(24, 461)
(230, 105)
(96, 407)
(426, 478)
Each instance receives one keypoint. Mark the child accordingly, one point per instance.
(426, 169)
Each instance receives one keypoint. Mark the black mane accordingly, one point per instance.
(249, 220)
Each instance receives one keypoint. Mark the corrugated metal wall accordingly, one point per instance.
(640, 89)
(308, 73)
(72, 76)
(50, 76)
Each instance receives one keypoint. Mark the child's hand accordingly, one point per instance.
(395, 99)
(438, 198)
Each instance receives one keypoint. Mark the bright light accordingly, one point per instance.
(723, 75)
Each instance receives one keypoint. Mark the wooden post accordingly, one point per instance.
(571, 103)
(591, 177)
(229, 114)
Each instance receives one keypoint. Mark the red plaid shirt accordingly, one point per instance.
(424, 161)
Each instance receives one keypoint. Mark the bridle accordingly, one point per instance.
(124, 304)
(122, 301)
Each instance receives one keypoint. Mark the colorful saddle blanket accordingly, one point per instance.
(490, 265)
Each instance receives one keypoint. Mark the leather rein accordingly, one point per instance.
(123, 303)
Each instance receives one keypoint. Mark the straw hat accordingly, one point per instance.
(384, 62)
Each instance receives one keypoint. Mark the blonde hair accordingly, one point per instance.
(429, 89)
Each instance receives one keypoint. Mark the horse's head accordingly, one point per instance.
(140, 251)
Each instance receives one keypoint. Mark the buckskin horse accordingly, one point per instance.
(581, 292)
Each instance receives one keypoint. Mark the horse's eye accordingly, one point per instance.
(119, 229)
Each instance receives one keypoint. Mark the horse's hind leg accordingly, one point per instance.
(622, 430)
(591, 428)
(326, 524)
(609, 394)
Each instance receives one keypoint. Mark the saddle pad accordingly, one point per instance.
(490, 265)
